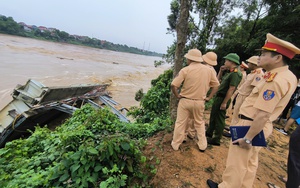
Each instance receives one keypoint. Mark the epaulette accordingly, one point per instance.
(258, 71)
(269, 77)
(234, 70)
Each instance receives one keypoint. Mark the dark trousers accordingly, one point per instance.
(293, 169)
(217, 120)
(286, 109)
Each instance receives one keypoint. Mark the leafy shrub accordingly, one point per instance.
(155, 103)
(139, 95)
(88, 150)
(145, 130)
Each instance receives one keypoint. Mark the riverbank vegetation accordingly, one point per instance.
(93, 148)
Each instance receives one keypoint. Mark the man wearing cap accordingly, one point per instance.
(197, 79)
(243, 68)
(229, 83)
(264, 104)
(245, 89)
(210, 60)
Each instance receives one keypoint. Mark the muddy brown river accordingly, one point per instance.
(58, 64)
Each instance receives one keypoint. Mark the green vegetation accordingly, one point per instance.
(154, 105)
(91, 149)
(9, 26)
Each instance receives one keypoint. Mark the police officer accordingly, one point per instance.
(265, 103)
(197, 79)
(229, 83)
(243, 68)
(209, 59)
(253, 78)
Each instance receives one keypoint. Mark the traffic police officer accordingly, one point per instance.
(197, 79)
(253, 78)
(265, 103)
(209, 59)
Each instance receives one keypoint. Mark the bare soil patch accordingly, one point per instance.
(189, 168)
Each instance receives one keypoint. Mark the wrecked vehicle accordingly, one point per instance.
(35, 104)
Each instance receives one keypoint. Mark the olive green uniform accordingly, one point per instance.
(217, 116)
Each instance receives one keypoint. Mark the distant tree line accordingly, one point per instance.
(11, 27)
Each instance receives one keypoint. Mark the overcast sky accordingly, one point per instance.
(136, 23)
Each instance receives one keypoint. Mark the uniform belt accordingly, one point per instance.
(191, 99)
(241, 116)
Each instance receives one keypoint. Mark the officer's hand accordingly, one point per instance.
(223, 68)
(242, 143)
(223, 106)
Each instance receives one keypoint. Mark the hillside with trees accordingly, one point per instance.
(9, 26)
(234, 26)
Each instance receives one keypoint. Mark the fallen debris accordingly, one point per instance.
(35, 104)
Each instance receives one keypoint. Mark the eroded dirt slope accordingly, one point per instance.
(191, 168)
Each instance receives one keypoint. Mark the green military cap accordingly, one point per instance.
(233, 57)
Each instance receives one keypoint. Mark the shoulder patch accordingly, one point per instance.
(268, 95)
(257, 79)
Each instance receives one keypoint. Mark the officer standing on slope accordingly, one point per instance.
(265, 103)
(229, 83)
(209, 59)
(197, 79)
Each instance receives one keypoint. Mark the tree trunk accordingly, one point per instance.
(182, 32)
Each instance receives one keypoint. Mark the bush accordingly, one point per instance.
(89, 149)
(155, 103)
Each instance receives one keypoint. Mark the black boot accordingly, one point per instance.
(211, 183)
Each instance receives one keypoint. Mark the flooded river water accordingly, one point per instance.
(57, 64)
